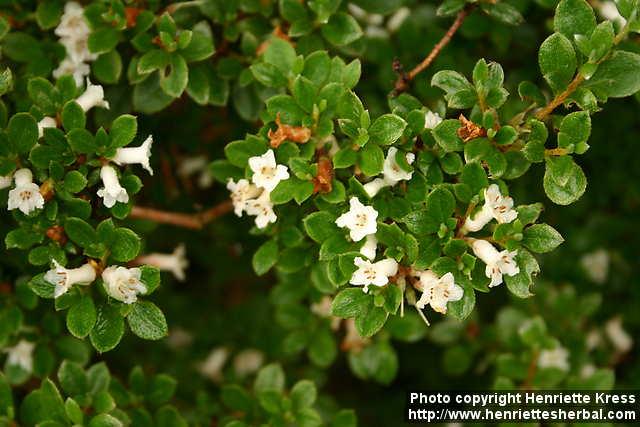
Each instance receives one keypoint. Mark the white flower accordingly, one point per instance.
(496, 206)
(248, 361)
(262, 209)
(498, 263)
(64, 278)
(360, 220)
(123, 283)
(593, 340)
(26, 195)
(72, 23)
(241, 192)
(392, 170)
(112, 191)
(175, 262)
(213, 364)
(370, 247)
(620, 338)
(5, 181)
(77, 69)
(431, 120)
(609, 10)
(596, 265)
(376, 31)
(437, 291)
(21, 355)
(46, 122)
(77, 49)
(266, 173)
(135, 155)
(393, 173)
(376, 273)
(93, 96)
(396, 20)
(555, 358)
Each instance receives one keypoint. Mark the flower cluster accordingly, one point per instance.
(74, 31)
(254, 197)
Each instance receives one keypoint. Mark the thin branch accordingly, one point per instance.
(560, 98)
(405, 78)
(194, 221)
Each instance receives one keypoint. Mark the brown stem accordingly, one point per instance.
(560, 98)
(531, 372)
(194, 221)
(405, 78)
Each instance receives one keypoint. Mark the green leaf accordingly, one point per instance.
(265, 257)
(103, 40)
(48, 14)
(105, 420)
(372, 321)
(371, 159)
(73, 116)
(22, 132)
(574, 17)
(270, 377)
(575, 129)
(280, 54)
(147, 321)
(350, 302)
(341, 29)
(174, 82)
(239, 152)
(161, 389)
(108, 330)
(320, 225)
(303, 394)
(541, 238)
(108, 67)
(616, 77)
(82, 317)
(557, 61)
(520, 284)
(503, 12)
(386, 129)
(564, 181)
(125, 245)
(201, 46)
(80, 232)
(73, 379)
(446, 135)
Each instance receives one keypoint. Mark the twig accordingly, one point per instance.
(405, 78)
(560, 98)
(195, 221)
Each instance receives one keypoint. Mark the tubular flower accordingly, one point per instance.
(26, 195)
(5, 181)
(112, 191)
(370, 246)
(498, 263)
(373, 273)
(93, 96)
(437, 291)
(63, 278)
(392, 173)
(175, 262)
(496, 206)
(46, 122)
(135, 155)
(360, 220)
(266, 173)
(123, 283)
